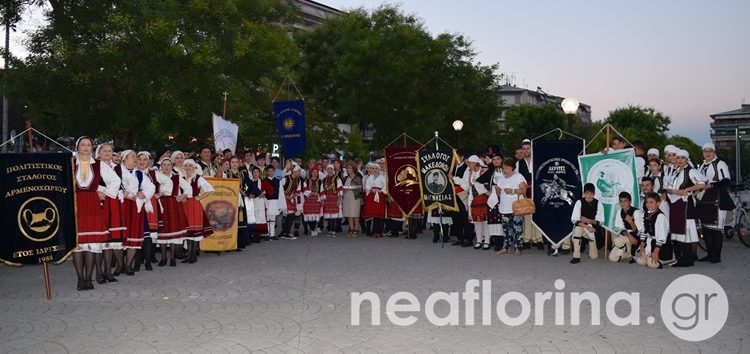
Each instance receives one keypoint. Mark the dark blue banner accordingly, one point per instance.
(556, 183)
(290, 120)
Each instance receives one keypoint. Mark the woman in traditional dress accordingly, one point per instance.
(113, 208)
(258, 198)
(243, 234)
(292, 187)
(137, 191)
(91, 219)
(683, 183)
(198, 224)
(151, 217)
(375, 200)
(353, 191)
(494, 217)
(333, 189)
(313, 207)
(171, 192)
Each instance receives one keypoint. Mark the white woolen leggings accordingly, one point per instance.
(482, 231)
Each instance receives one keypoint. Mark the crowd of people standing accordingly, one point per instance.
(129, 203)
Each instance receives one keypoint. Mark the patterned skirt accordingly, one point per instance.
(331, 207)
(116, 222)
(134, 223)
(312, 209)
(479, 208)
(198, 224)
(153, 218)
(90, 219)
(173, 222)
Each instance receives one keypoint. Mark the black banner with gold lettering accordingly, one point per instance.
(434, 168)
(37, 213)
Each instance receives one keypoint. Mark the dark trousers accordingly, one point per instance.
(714, 241)
(463, 229)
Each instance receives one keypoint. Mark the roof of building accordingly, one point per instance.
(743, 111)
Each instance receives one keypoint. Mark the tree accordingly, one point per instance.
(640, 123)
(355, 146)
(529, 121)
(140, 70)
(383, 68)
(685, 143)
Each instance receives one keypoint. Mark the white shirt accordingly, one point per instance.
(576, 215)
(203, 185)
(130, 183)
(108, 175)
(165, 185)
(637, 218)
(375, 181)
(512, 182)
(661, 229)
(675, 181)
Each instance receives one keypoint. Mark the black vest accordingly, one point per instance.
(686, 181)
(649, 222)
(274, 182)
(623, 214)
(589, 209)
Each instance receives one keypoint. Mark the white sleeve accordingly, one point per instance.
(204, 185)
(147, 187)
(576, 216)
(661, 229)
(186, 188)
(599, 213)
(619, 224)
(723, 170)
(638, 216)
(111, 179)
(697, 177)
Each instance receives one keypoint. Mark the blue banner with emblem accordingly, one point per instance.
(556, 186)
(37, 212)
(290, 120)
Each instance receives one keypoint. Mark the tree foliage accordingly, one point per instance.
(640, 123)
(383, 67)
(141, 70)
(529, 121)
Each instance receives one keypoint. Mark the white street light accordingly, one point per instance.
(570, 105)
(458, 125)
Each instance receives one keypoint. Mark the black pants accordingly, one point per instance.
(464, 230)
(374, 226)
(436, 232)
(714, 242)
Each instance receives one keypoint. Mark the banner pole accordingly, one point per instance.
(440, 207)
(47, 285)
(606, 233)
(224, 112)
(29, 136)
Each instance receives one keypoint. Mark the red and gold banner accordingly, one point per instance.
(402, 177)
(222, 208)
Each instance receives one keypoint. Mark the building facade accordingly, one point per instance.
(313, 13)
(728, 126)
(514, 96)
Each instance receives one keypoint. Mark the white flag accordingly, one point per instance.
(225, 134)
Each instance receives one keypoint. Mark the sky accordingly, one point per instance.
(686, 58)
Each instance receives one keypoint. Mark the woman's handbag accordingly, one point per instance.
(523, 207)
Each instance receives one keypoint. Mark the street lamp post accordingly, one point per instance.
(457, 126)
(570, 107)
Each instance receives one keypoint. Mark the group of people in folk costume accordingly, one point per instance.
(678, 199)
(124, 207)
(129, 202)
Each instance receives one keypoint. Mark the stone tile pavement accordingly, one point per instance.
(293, 296)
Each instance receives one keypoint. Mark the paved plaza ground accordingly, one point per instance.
(294, 296)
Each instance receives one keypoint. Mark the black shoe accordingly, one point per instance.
(632, 260)
(540, 246)
(129, 271)
(110, 278)
(117, 272)
(180, 256)
(526, 246)
(486, 246)
(149, 267)
(185, 260)
(296, 233)
(704, 259)
(173, 263)
(193, 260)
(575, 261)
(457, 243)
(89, 285)
(137, 267)
(466, 244)
(682, 265)
(154, 260)
(100, 279)
(81, 285)
(162, 262)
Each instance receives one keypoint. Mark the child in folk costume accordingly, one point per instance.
(113, 209)
(313, 207)
(588, 214)
(172, 191)
(258, 198)
(137, 191)
(654, 250)
(681, 185)
(91, 219)
(151, 217)
(198, 224)
(275, 201)
(333, 191)
(375, 200)
(243, 233)
(630, 225)
(292, 187)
